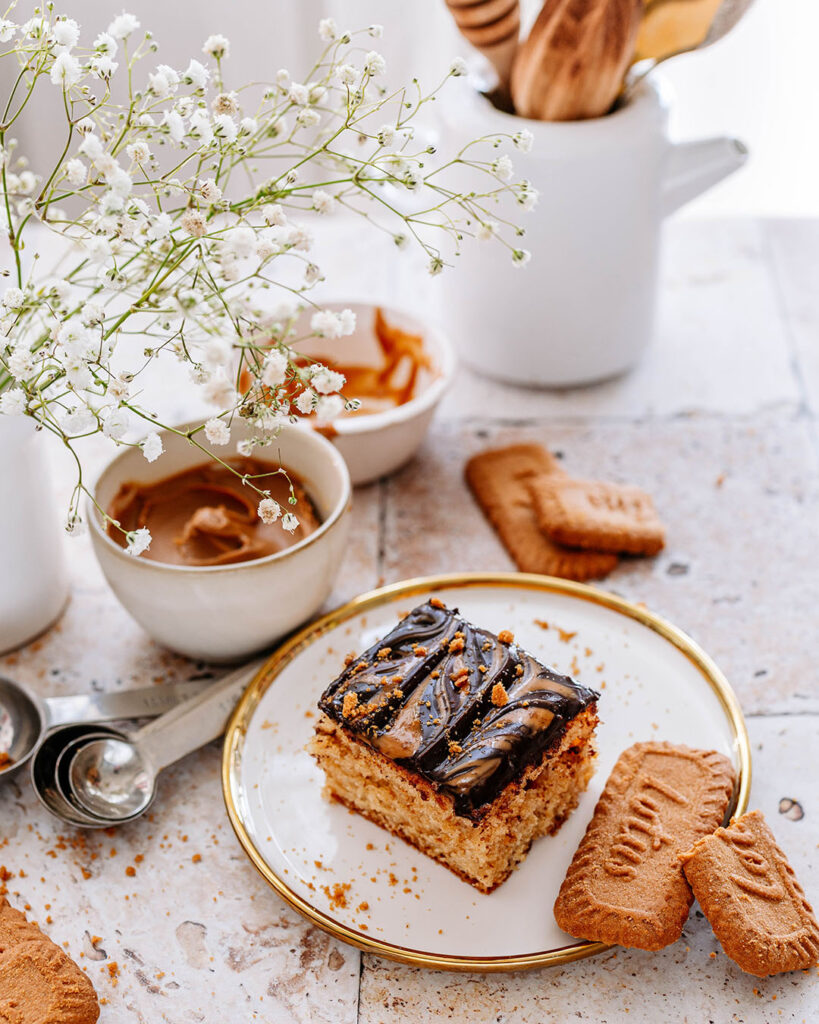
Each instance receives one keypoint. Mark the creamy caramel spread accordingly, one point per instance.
(207, 516)
(394, 380)
(388, 382)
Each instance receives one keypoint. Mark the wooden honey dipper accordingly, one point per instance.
(492, 27)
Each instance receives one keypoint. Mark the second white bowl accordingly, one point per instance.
(376, 444)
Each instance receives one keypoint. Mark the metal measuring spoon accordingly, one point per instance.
(43, 776)
(25, 718)
(113, 779)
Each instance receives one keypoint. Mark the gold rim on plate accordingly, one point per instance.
(240, 719)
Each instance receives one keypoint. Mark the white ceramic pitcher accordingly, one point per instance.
(584, 308)
(33, 577)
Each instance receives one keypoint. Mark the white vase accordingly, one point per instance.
(33, 577)
(584, 308)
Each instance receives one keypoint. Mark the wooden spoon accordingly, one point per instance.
(573, 63)
(492, 27)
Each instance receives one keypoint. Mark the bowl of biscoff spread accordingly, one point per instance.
(217, 581)
(397, 367)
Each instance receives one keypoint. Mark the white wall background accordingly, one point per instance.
(761, 83)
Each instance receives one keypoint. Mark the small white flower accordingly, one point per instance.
(305, 401)
(160, 227)
(527, 198)
(317, 93)
(13, 402)
(520, 257)
(273, 215)
(269, 510)
(327, 324)
(523, 140)
(216, 46)
(386, 135)
(210, 191)
(175, 125)
(116, 424)
(103, 66)
(194, 223)
(139, 152)
(486, 230)
(20, 363)
(75, 525)
(7, 30)
(201, 127)
(299, 94)
(327, 381)
(105, 43)
(217, 431)
(118, 388)
(159, 85)
(274, 369)
(328, 30)
(79, 421)
(65, 70)
(226, 103)
(92, 147)
(151, 447)
(329, 408)
(435, 266)
(76, 172)
(138, 541)
(346, 74)
(122, 26)
(196, 74)
(312, 273)
(283, 78)
(240, 242)
(92, 313)
(290, 522)
(376, 31)
(458, 67)
(502, 168)
(219, 390)
(299, 238)
(66, 32)
(13, 298)
(323, 202)
(225, 127)
(374, 63)
(248, 126)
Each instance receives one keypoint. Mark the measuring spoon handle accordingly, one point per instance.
(196, 722)
(106, 707)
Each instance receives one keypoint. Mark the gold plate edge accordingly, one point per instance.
(283, 655)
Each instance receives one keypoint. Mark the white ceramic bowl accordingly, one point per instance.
(224, 613)
(375, 444)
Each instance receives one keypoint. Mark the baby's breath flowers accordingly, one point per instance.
(180, 200)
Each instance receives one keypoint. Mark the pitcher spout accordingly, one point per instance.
(693, 167)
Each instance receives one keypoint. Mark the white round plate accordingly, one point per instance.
(376, 892)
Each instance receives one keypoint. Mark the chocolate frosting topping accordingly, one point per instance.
(462, 707)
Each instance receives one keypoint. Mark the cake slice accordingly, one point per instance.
(458, 741)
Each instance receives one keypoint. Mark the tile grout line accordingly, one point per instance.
(805, 410)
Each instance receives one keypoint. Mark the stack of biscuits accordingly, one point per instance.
(554, 524)
(654, 844)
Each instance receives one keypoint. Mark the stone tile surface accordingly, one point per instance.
(691, 982)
